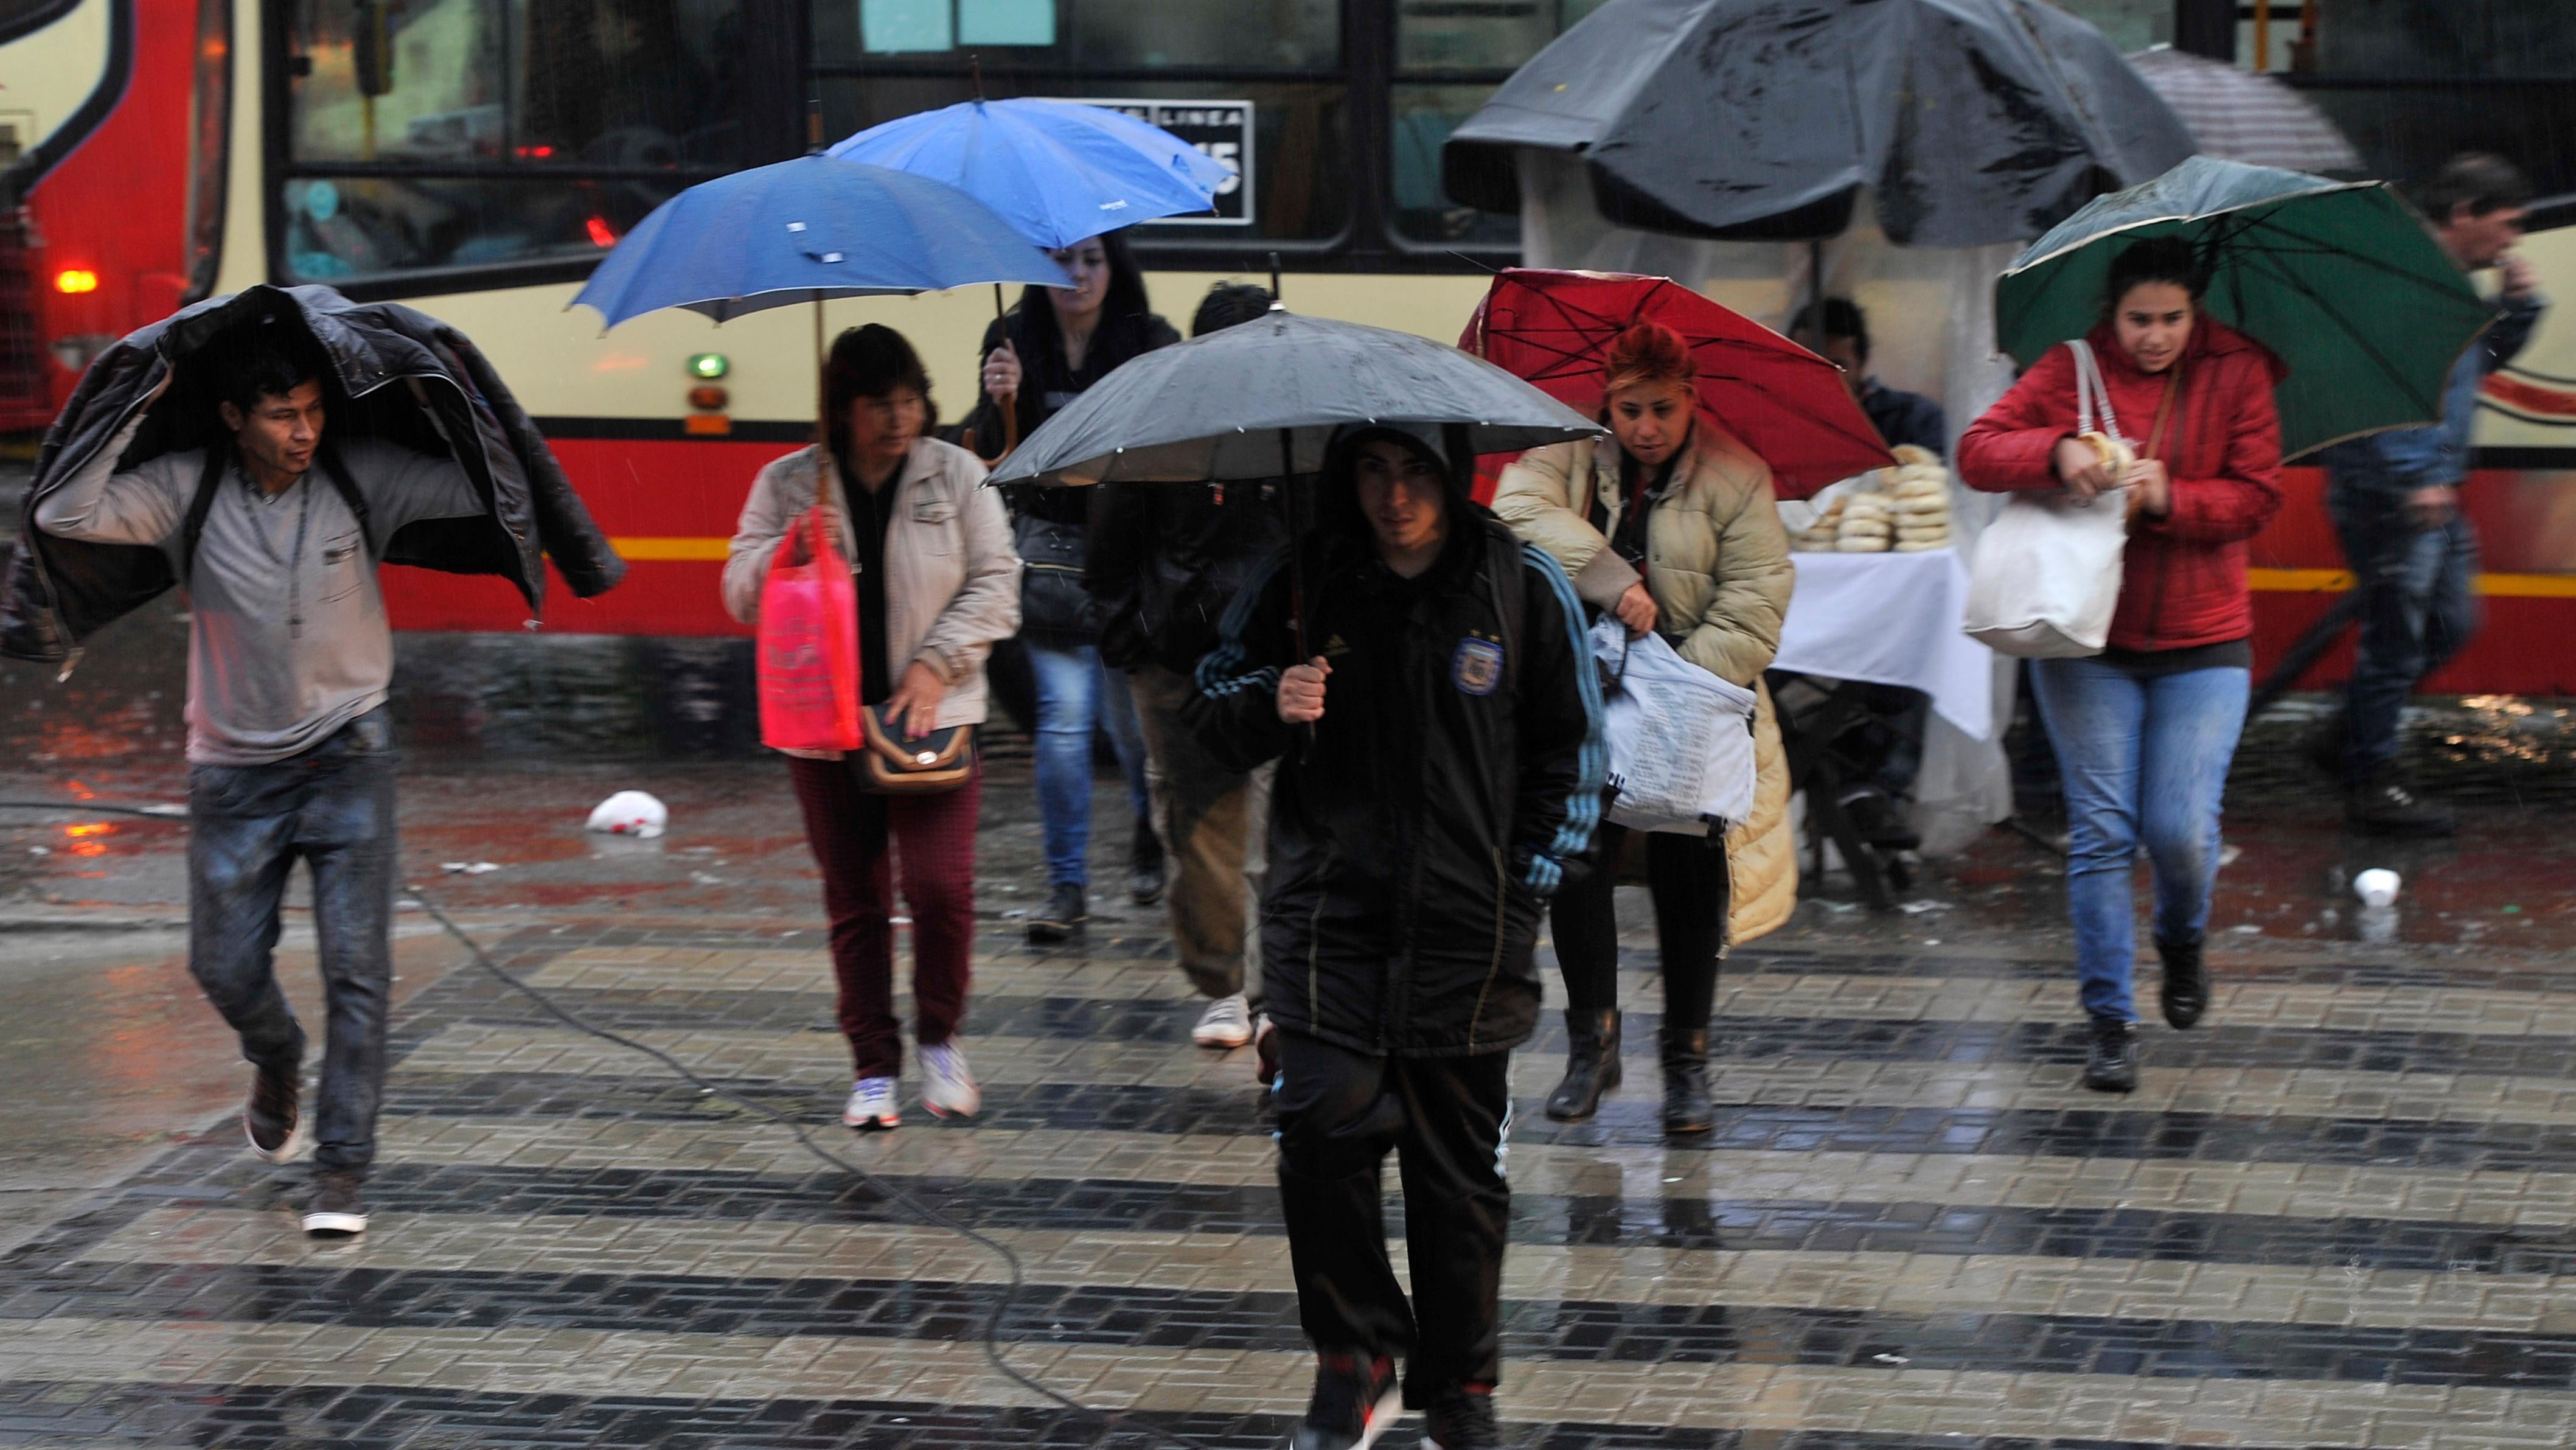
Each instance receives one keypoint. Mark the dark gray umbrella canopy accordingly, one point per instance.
(1215, 407)
(1970, 121)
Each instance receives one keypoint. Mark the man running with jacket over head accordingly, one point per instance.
(276, 534)
(1440, 760)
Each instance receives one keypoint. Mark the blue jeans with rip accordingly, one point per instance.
(331, 807)
(2144, 759)
(2417, 608)
(1077, 694)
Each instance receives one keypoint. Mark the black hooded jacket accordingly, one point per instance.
(1415, 839)
(396, 372)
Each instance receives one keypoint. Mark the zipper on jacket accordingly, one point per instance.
(1314, 921)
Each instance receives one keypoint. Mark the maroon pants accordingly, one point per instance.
(935, 837)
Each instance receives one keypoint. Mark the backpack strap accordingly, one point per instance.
(338, 472)
(218, 457)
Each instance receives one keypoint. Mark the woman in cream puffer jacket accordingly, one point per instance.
(1715, 582)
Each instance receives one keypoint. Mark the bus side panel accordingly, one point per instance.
(116, 208)
(669, 506)
(2526, 523)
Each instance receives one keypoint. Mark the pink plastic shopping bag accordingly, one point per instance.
(809, 644)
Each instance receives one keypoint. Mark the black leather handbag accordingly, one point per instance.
(1055, 604)
(924, 765)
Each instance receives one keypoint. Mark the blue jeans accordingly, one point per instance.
(1076, 694)
(2145, 762)
(2417, 609)
(333, 807)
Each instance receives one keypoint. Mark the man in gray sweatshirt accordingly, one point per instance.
(290, 745)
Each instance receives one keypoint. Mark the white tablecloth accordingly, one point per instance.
(1891, 619)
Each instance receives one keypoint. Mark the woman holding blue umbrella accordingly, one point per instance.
(1038, 357)
(1056, 170)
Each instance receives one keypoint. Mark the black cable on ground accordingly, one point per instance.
(992, 1331)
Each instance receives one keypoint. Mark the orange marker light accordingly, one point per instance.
(73, 280)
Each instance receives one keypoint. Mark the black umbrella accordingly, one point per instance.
(1262, 400)
(1970, 121)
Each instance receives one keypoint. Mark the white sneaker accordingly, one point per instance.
(1227, 1024)
(871, 1105)
(947, 1088)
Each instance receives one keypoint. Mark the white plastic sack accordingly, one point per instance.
(1680, 738)
(630, 813)
(2046, 578)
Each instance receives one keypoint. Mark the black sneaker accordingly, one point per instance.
(2186, 984)
(272, 1119)
(1145, 866)
(1356, 1398)
(1461, 1417)
(1064, 915)
(2389, 805)
(336, 1212)
(2112, 1067)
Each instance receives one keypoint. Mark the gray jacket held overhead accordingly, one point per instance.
(397, 374)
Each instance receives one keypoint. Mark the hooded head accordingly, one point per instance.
(1387, 485)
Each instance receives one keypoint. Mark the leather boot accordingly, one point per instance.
(1686, 1105)
(2186, 984)
(1591, 1065)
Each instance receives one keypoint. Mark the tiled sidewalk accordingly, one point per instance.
(2343, 1213)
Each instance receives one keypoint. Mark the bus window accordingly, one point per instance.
(1092, 35)
(470, 133)
(875, 60)
(1449, 57)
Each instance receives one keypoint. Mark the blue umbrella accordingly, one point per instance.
(1059, 171)
(803, 231)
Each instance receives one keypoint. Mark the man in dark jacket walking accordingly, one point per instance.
(1166, 560)
(2395, 498)
(1437, 727)
(276, 534)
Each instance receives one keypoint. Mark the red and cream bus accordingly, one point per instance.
(473, 158)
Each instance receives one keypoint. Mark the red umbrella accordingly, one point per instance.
(1787, 404)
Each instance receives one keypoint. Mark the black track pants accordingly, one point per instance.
(1339, 1113)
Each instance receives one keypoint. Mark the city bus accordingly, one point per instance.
(474, 158)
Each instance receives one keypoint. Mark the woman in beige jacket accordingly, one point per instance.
(1668, 525)
(938, 582)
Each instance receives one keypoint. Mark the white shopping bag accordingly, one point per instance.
(2046, 576)
(1680, 738)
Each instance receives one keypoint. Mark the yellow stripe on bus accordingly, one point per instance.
(2336, 581)
(669, 550)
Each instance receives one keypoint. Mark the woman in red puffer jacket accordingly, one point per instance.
(2144, 731)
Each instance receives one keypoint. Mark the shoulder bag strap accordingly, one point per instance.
(2164, 411)
(2092, 395)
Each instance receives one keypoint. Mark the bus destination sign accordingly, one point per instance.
(1219, 129)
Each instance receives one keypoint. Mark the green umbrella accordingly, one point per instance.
(2341, 279)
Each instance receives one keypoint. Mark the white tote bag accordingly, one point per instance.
(1680, 738)
(2046, 577)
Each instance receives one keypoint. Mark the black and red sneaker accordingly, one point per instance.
(1356, 1400)
(1461, 1417)
(272, 1119)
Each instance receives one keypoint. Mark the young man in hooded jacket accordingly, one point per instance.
(1436, 724)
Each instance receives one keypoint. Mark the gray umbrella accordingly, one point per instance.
(1970, 121)
(1262, 400)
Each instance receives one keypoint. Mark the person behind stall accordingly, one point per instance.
(275, 533)
(2144, 730)
(929, 549)
(1052, 346)
(1166, 560)
(1838, 331)
(1880, 756)
(1436, 728)
(2395, 500)
(1668, 525)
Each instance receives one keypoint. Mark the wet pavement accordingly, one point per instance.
(2340, 1212)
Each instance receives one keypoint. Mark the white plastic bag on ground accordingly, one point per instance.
(630, 813)
(1680, 738)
